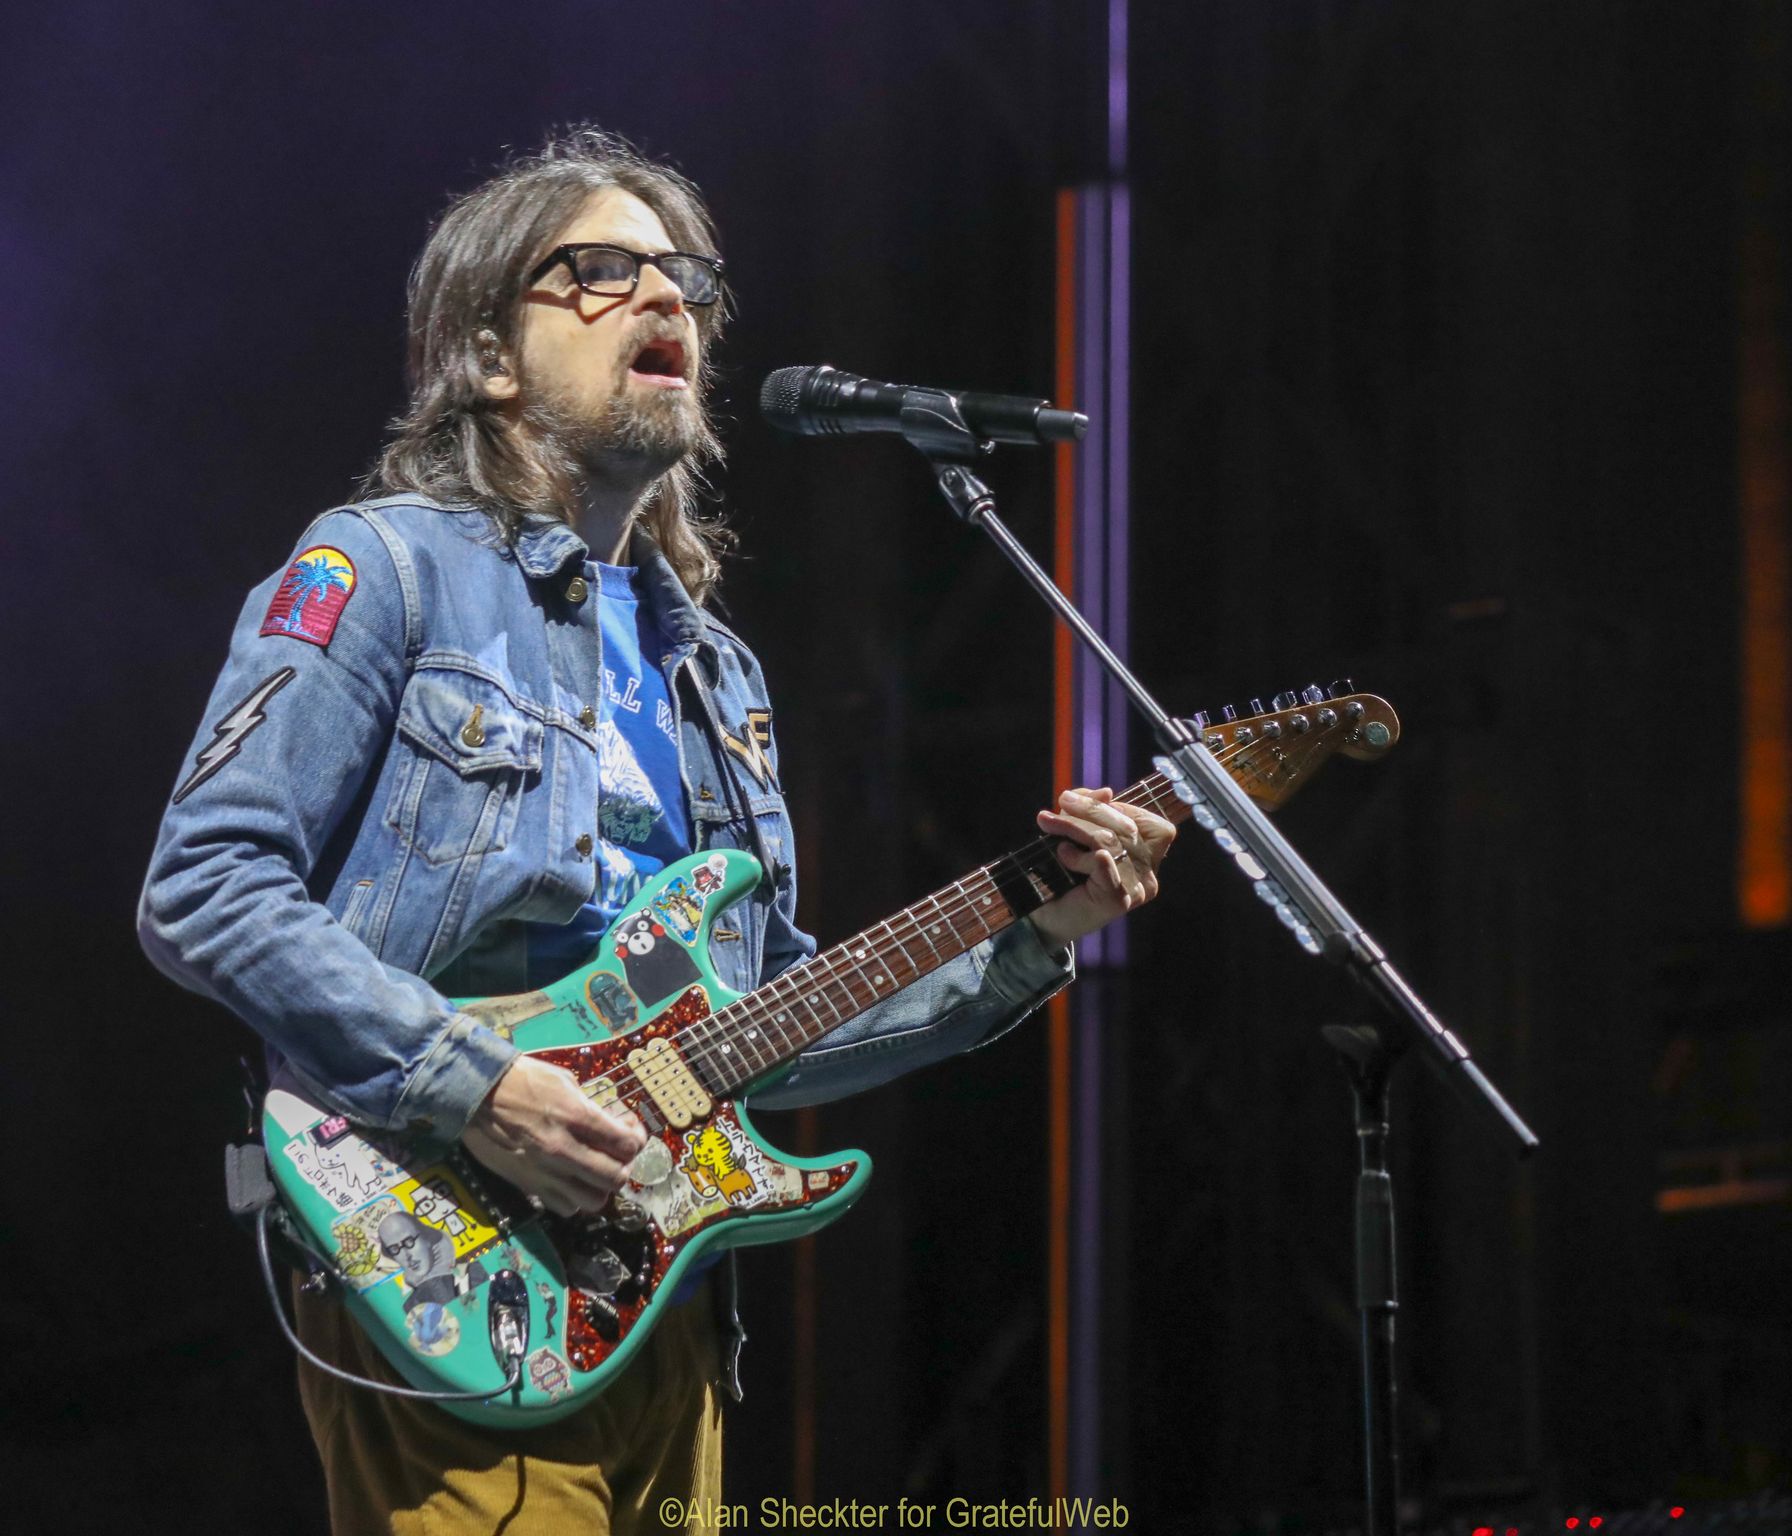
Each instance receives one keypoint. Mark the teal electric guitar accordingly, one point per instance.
(464, 1285)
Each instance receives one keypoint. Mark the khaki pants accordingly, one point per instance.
(411, 1468)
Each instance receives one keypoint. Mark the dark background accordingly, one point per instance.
(1436, 354)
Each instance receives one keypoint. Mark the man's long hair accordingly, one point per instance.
(455, 443)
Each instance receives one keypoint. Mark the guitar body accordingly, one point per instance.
(421, 1240)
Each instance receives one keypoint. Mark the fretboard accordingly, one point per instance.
(768, 1027)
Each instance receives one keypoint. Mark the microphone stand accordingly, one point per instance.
(1317, 921)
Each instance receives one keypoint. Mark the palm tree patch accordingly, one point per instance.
(311, 596)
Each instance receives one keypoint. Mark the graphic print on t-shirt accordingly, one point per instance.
(627, 808)
(643, 823)
(637, 751)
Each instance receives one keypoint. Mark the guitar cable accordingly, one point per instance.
(514, 1345)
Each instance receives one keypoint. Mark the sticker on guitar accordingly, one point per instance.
(717, 1170)
(358, 1253)
(550, 1374)
(437, 1198)
(722, 1165)
(431, 1278)
(656, 964)
(348, 1172)
(680, 906)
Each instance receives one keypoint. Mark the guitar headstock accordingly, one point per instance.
(1272, 752)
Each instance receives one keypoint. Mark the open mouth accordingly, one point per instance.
(660, 360)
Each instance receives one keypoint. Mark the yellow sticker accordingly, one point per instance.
(437, 1198)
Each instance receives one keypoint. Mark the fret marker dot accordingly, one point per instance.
(880, 980)
(858, 954)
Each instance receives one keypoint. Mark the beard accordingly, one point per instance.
(631, 432)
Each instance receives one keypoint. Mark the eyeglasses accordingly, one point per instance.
(402, 1248)
(612, 271)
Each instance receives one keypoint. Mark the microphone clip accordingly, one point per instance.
(967, 496)
(935, 426)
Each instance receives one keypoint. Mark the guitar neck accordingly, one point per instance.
(1270, 755)
(768, 1027)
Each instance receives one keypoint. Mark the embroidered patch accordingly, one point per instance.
(228, 733)
(312, 595)
(758, 731)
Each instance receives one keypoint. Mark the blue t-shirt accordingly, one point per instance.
(643, 822)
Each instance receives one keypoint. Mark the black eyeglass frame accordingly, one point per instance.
(567, 255)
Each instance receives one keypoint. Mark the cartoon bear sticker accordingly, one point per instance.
(655, 963)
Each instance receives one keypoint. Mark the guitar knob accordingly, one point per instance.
(592, 1234)
(1286, 699)
(604, 1318)
(1312, 694)
(1339, 687)
(599, 1274)
(1228, 713)
(1256, 707)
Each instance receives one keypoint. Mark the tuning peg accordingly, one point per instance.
(1228, 713)
(1286, 699)
(1199, 719)
(1312, 694)
(1256, 707)
(1340, 686)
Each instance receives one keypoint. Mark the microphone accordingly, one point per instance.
(824, 402)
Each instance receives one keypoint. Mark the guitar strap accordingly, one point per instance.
(737, 797)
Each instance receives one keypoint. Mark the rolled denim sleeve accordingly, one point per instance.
(287, 743)
(966, 1003)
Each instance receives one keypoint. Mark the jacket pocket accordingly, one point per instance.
(469, 749)
(356, 907)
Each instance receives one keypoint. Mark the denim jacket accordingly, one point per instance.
(382, 794)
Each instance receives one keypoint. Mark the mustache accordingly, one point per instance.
(658, 330)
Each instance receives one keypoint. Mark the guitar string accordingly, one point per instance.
(963, 898)
(625, 1079)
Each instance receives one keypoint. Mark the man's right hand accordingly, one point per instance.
(540, 1132)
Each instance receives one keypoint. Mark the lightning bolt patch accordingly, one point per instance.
(228, 733)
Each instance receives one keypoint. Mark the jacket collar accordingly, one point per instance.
(545, 545)
(681, 619)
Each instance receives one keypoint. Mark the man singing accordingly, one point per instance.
(455, 734)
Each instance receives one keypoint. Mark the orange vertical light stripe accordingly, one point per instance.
(1063, 767)
(1764, 860)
